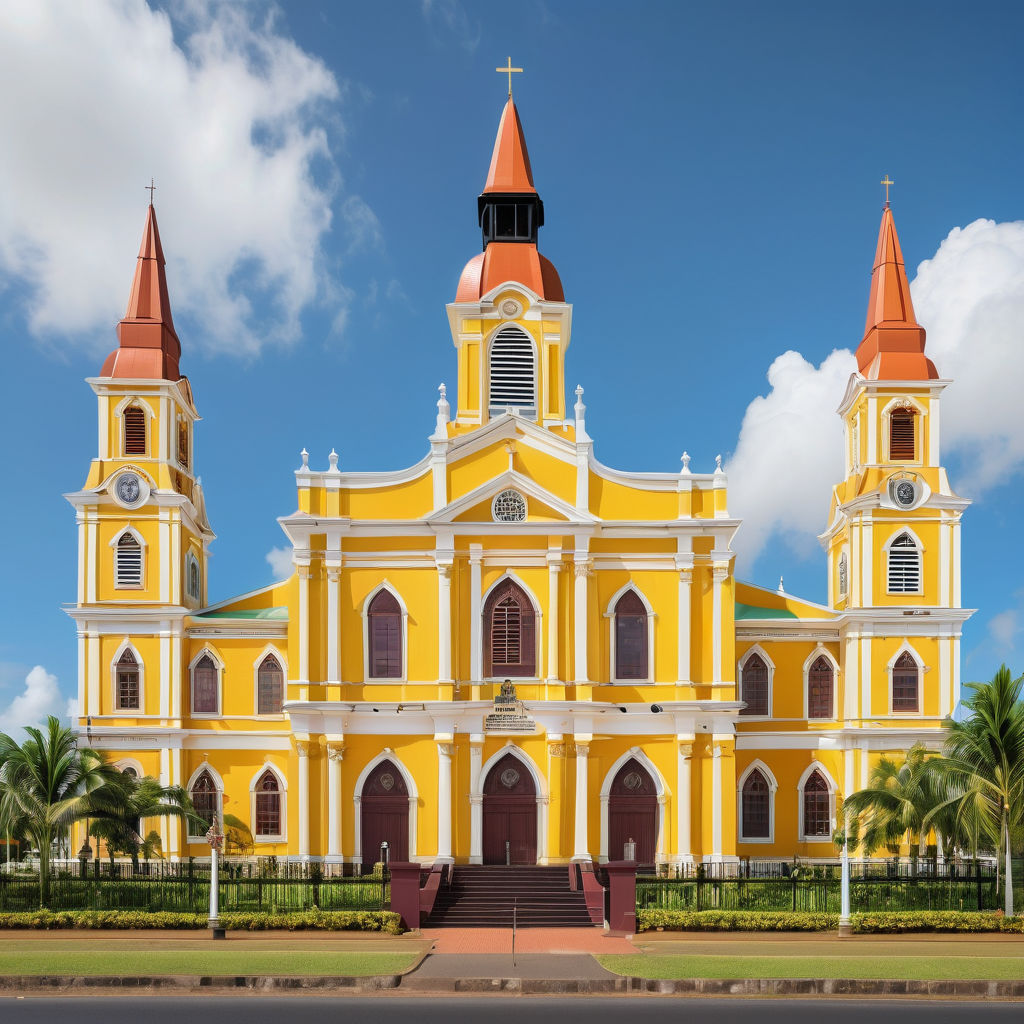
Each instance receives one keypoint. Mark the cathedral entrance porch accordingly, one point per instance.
(384, 812)
(509, 814)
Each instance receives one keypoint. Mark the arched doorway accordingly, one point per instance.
(633, 813)
(510, 813)
(384, 811)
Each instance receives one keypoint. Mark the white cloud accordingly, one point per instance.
(222, 108)
(1003, 628)
(280, 562)
(450, 17)
(39, 698)
(970, 297)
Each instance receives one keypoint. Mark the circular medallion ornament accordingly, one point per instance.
(509, 778)
(128, 489)
(509, 507)
(903, 492)
(510, 308)
(633, 781)
(387, 782)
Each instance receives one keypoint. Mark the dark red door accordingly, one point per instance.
(633, 813)
(510, 813)
(384, 811)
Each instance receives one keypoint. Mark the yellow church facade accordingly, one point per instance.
(510, 652)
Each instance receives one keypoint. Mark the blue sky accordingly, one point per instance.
(710, 177)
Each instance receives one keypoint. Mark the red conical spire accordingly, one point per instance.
(149, 346)
(510, 162)
(893, 344)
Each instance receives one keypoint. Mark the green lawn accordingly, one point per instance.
(203, 961)
(923, 968)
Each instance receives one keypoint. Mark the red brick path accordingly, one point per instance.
(528, 940)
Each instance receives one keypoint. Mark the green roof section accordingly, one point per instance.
(248, 613)
(752, 611)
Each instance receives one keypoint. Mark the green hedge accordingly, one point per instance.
(787, 921)
(309, 920)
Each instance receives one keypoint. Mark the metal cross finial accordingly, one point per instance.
(887, 181)
(152, 188)
(508, 70)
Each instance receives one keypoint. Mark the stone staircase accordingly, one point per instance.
(482, 896)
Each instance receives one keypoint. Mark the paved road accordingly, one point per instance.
(397, 1009)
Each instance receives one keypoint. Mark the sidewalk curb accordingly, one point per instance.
(522, 986)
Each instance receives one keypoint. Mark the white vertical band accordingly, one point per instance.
(581, 847)
(444, 800)
(444, 622)
(476, 626)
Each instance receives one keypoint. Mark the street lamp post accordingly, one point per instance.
(216, 841)
(844, 906)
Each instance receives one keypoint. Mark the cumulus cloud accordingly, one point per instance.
(970, 297)
(450, 18)
(228, 114)
(40, 697)
(280, 562)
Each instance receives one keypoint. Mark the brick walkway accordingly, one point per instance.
(528, 940)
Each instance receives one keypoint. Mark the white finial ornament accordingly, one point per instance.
(305, 458)
(782, 589)
(685, 460)
(718, 464)
(333, 459)
(443, 411)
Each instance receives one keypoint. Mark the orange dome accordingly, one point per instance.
(502, 262)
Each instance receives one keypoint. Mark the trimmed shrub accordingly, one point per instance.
(308, 920)
(935, 921)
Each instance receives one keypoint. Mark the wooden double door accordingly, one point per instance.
(510, 814)
(384, 815)
(633, 813)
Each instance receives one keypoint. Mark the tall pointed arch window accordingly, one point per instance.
(205, 687)
(901, 435)
(133, 420)
(510, 633)
(127, 689)
(904, 566)
(205, 802)
(754, 686)
(820, 688)
(631, 653)
(268, 817)
(269, 687)
(384, 635)
(193, 579)
(128, 562)
(906, 677)
(755, 807)
(513, 368)
(817, 807)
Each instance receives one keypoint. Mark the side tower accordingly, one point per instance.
(894, 536)
(143, 535)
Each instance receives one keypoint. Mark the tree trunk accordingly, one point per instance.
(1008, 905)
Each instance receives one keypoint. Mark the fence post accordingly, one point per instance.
(794, 893)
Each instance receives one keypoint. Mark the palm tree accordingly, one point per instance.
(983, 766)
(52, 783)
(148, 799)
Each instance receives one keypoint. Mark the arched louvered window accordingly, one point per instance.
(817, 806)
(755, 807)
(268, 806)
(384, 636)
(204, 687)
(513, 372)
(127, 692)
(205, 802)
(754, 686)
(269, 686)
(183, 444)
(901, 435)
(134, 421)
(128, 561)
(631, 652)
(820, 688)
(844, 575)
(510, 632)
(906, 676)
(904, 566)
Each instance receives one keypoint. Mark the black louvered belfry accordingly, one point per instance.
(513, 372)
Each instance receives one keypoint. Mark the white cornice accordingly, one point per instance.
(857, 383)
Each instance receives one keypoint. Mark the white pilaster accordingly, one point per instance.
(165, 671)
(684, 763)
(719, 573)
(444, 622)
(476, 800)
(444, 801)
(716, 797)
(867, 586)
(173, 824)
(865, 677)
(582, 570)
(303, 572)
(333, 622)
(851, 676)
(685, 588)
(476, 627)
(92, 647)
(91, 560)
(847, 772)
(580, 845)
(945, 676)
(554, 568)
(302, 749)
(335, 755)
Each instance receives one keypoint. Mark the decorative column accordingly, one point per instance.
(444, 801)
(476, 799)
(719, 573)
(335, 755)
(302, 749)
(554, 568)
(684, 801)
(716, 800)
(582, 570)
(444, 622)
(476, 655)
(333, 623)
(685, 586)
(304, 572)
(580, 845)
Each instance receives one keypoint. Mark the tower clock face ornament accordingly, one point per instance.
(904, 493)
(128, 489)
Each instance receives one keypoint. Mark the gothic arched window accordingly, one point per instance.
(904, 566)
(127, 692)
(205, 686)
(384, 636)
(631, 654)
(510, 630)
(820, 689)
(513, 372)
(134, 422)
(755, 807)
(906, 677)
(205, 801)
(754, 686)
(128, 561)
(817, 806)
(269, 687)
(268, 806)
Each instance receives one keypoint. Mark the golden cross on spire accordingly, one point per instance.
(152, 189)
(508, 70)
(887, 181)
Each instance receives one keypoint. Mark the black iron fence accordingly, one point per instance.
(185, 886)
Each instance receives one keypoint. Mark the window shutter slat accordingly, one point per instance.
(901, 436)
(134, 420)
(513, 372)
